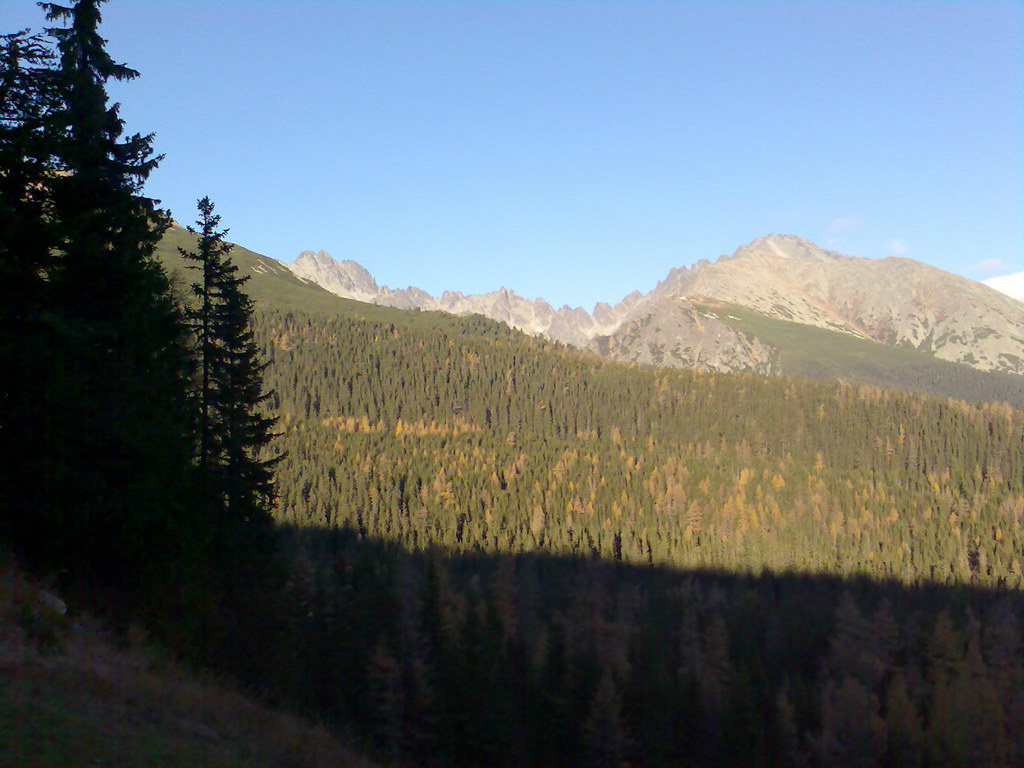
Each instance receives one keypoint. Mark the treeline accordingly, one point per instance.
(130, 419)
(485, 440)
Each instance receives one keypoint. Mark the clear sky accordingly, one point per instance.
(579, 150)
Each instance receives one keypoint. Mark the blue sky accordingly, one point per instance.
(579, 150)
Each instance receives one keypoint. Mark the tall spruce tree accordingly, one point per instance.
(237, 481)
(233, 430)
(211, 250)
(105, 493)
(26, 104)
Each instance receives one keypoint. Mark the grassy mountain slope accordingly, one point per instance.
(272, 285)
(270, 281)
(815, 353)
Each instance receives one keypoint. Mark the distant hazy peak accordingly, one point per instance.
(786, 247)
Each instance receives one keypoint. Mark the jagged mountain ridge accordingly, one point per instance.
(894, 301)
(573, 326)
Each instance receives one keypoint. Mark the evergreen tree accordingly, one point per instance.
(244, 430)
(233, 430)
(105, 491)
(26, 105)
(236, 480)
(211, 250)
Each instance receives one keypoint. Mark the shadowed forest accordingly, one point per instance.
(459, 545)
(475, 659)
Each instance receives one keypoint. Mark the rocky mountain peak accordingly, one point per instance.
(346, 278)
(358, 273)
(786, 247)
(323, 258)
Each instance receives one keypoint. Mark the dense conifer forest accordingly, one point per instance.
(594, 564)
(464, 546)
(481, 439)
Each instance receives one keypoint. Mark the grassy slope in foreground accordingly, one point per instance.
(70, 697)
(817, 353)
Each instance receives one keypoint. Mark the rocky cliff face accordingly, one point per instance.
(680, 334)
(345, 278)
(894, 301)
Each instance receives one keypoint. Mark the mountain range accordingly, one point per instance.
(682, 323)
(719, 315)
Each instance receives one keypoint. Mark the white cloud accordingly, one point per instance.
(988, 265)
(1011, 285)
(897, 247)
(845, 223)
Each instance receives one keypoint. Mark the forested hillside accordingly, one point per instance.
(518, 554)
(481, 438)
